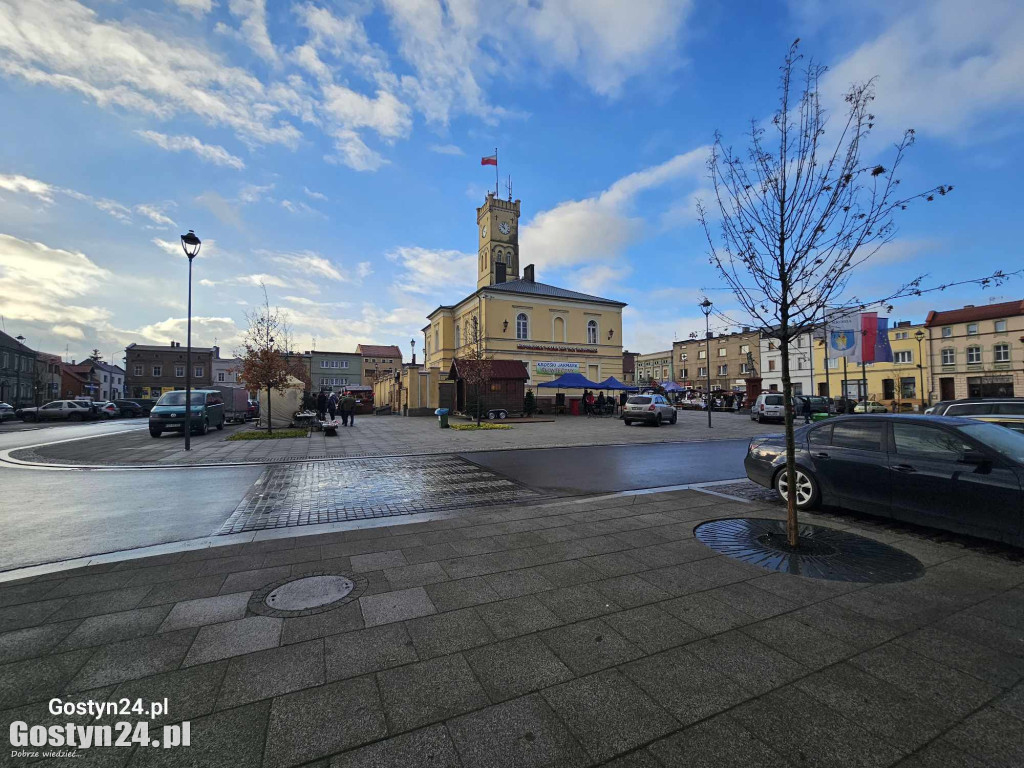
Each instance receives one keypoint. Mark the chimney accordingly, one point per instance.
(746, 329)
(528, 273)
(499, 272)
(216, 353)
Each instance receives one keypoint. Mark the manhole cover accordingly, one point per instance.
(824, 553)
(305, 595)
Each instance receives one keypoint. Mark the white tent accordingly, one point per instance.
(283, 405)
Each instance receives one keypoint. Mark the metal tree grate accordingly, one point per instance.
(824, 553)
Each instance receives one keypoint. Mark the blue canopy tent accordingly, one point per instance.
(571, 381)
(612, 383)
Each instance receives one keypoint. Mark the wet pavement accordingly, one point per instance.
(580, 632)
(311, 493)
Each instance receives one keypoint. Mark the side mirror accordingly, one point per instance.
(975, 458)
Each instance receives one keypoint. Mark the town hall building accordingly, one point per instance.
(513, 316)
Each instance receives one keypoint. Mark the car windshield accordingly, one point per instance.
(1005, 441)
(178, 398)
(639, 400)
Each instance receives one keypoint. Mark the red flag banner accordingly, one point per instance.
(490, 160)
(869, 332)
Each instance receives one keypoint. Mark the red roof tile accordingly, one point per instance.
(971, 314)
(373, 350)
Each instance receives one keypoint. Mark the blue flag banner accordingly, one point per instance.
(843, 339)
(883, 350)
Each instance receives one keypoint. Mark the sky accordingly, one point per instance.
(329, 153)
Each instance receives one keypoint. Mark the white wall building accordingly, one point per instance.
(800, 365)
(225, 370)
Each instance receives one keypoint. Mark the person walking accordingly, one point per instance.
(805, 408)
(332, 406)
(600, 404)
(321, 405)
(348, 410)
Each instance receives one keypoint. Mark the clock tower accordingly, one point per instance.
(497, 223)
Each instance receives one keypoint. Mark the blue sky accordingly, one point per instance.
(331, 150)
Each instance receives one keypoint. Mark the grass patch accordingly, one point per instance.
(259, 434)
(473, 427)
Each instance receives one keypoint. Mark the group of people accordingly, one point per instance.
(328, 403)
(598, 406)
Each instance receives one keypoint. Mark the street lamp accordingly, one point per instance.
(190, 244)
(920, 363)
(17, 370)
(705, 307)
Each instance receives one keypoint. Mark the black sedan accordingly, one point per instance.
(953, 473)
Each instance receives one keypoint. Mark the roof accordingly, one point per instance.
(500, 369)
(532, 288)
(970, 314)
(10, 341)
(374, 350)
(162, 348)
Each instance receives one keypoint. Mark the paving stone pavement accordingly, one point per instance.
(559, 633)
(386, 436)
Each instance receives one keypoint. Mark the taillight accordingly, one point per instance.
(762, 406)
(650, 408)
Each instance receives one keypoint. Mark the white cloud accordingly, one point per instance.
(364, 269)
(253, 16)
(210, 152)
(204, 331)
(68, 331)
(260, 279)
(29, 292)
(24, 185)
(155, 214)
(197, 8)
(315, 195)
(254, 193)
(429, 272)
(446, 149)
(66, 46)
(300, 208)
(942, 67)
(601, 228)
(309, 263)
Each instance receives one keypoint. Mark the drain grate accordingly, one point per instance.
(824, 553)
(306, 595)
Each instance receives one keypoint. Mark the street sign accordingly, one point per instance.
(557, 368)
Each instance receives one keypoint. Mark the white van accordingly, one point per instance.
(769, 406)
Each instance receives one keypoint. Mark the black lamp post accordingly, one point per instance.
(17, 370)
(705, 307)
(190, 244)
(920, 364)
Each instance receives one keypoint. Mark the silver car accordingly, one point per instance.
(6, 412)
(650, 409)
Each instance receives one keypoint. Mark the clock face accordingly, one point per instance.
(505, 227)
(483, 231)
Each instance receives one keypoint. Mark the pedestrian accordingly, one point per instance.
(623, 397)
(805, 408)
(589, 399)
(332, 406)
(348, 410)
(600, 403)
(321, 405)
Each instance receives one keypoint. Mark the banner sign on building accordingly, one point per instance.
(844, 337)
(557, 368)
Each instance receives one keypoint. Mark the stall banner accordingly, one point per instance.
(557, 368)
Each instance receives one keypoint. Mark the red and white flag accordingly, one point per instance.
(489, 160)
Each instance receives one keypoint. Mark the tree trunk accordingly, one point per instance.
(476, 393)
(270, 427)
(792, 526)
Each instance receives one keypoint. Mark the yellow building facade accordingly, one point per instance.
(896, 385)
(512, 316)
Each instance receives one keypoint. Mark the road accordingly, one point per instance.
(51, 515)
(609, 468)
(57, 515)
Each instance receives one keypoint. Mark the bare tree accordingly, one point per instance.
(798, 216)
(478, 373)
(264, 367)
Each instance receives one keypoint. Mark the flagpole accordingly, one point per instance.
(495, 172)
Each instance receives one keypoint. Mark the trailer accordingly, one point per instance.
(236, 403)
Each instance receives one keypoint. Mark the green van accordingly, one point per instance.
(169, 412)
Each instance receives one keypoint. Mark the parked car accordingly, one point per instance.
(843, 405)
(108, 410)
(168, 415)
(145, 403)
(130, 409)
(869, 406)
(819, 404)
(939, 408)
(57, 410)
(979, 407)
(1016, 423)
(6, 412)
(769, 406)
(253, 411)
(944, 472)
(651, 409)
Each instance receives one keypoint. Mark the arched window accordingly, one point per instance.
(437, 340)
(469, 333)
(592, 332)
(558, 329)
(522, 326)
(457, 344)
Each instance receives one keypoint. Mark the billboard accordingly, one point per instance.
(557, 368)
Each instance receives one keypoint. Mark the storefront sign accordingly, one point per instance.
(551, 348)
(557, 368)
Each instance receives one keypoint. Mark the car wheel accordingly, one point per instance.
(205, 427)
(221, 425)
(807, 493)
(627, 422)
(657, 420)
(502, 414)
(760, 418)
(155, 432)
(675, 418)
